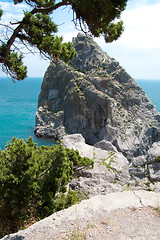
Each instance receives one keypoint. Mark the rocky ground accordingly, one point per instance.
(122, 224)
(112, 171)
(121, 215)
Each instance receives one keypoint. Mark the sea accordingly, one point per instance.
(18, 105)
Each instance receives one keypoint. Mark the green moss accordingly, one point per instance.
(111, 158)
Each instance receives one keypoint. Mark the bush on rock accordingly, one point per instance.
(33, 181)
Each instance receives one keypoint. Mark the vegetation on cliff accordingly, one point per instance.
(33, 182)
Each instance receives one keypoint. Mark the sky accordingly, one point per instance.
(137, 50)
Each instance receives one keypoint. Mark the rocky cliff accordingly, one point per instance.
(96, 97)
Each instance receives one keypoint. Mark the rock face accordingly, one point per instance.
(112, 171)
(96, 97)
(109, 174)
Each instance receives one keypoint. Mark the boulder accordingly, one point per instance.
(153, 152)
(106, 145)
(109, 174)
(154, 163)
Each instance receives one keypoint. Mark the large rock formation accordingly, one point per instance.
(96, 97)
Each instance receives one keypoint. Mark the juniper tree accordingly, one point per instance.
(37, 29)
(33, 181)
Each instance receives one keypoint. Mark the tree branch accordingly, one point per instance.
(51, 8)
(50, 167)
(20, 26)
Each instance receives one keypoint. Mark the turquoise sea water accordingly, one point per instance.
(18, 105)
(152, 89)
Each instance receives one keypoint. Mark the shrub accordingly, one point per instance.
(33, 181)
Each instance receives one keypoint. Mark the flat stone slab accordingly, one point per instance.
(85, 211)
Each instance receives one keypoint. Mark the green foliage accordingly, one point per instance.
(113, 31)
(98, 15)
(39, 31)
(1, 12)
(38, 26)
(38, 3)
(157, 159)
(33, 181)
(77, 159)
(111, 158)
(15, 178)
(2, 50)
(14, 64)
